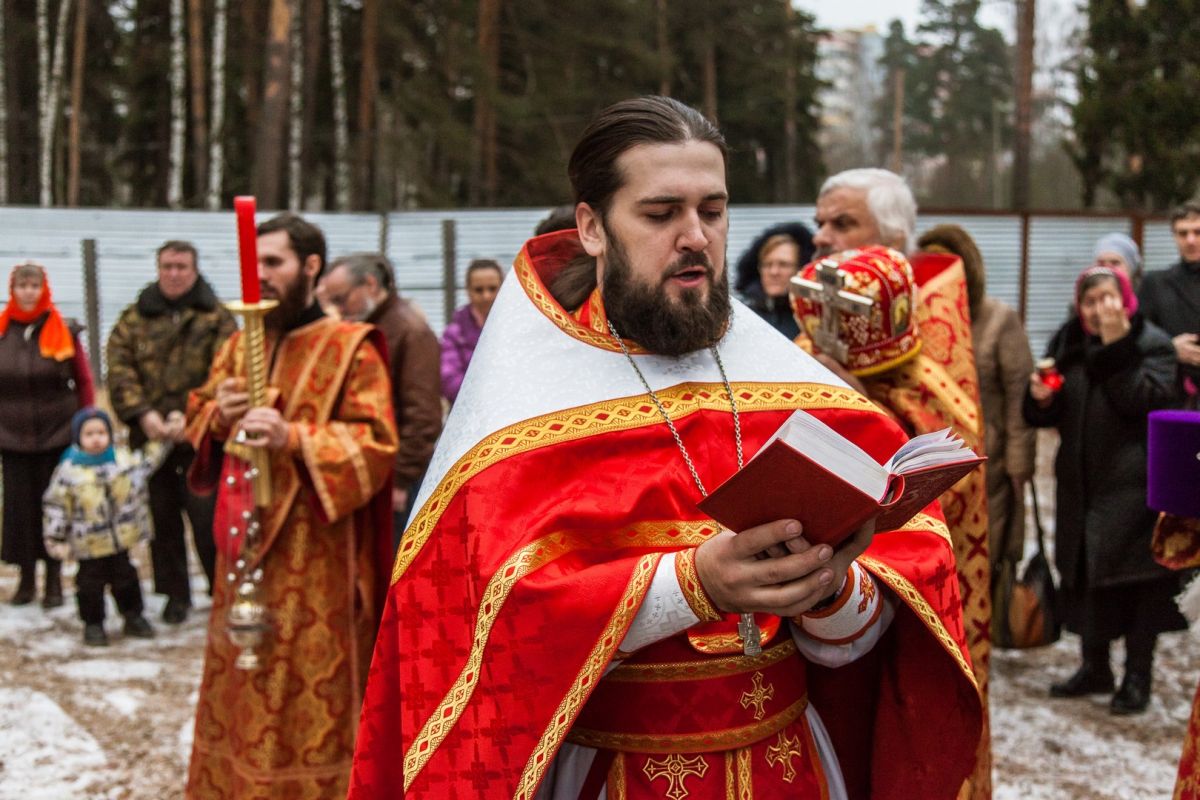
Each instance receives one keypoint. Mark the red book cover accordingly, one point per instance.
(783, 483)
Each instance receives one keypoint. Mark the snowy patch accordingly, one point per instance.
(103, 669)
(45, 753)
(126, 701)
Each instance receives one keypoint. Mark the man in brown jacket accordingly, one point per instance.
(362, 288)
(160, 349)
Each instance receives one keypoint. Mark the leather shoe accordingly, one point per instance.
(1134, 695)
(95, 636)
(137, 627)
(176, 611)
(1088, 679)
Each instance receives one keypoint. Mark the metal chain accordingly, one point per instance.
(737, 424)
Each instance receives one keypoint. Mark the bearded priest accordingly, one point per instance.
(563, 622)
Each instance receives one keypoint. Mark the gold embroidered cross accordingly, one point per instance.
(783, 752)
(867, 587)
(759, 697)
(675, 768)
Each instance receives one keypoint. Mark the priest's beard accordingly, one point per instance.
(648, 316)
(291, 306)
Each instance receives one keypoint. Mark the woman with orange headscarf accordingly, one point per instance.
(46, 379)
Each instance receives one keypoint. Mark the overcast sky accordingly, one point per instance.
(860, 13)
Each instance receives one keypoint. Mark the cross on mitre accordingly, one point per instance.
(827, 290)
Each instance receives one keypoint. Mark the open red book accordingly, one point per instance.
(809, 472)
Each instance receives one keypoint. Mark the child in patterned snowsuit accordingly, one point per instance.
(96, 508)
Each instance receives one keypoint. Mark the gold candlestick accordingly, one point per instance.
(246, 620)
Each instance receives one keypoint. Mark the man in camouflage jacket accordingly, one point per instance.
(160, 349)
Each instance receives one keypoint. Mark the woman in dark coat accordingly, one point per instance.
(1117, 367)
(46, 379)
(763, 272)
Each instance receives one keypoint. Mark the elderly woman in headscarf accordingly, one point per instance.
(46, 379)
(1116, 368)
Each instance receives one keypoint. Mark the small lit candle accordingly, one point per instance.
(247, 248)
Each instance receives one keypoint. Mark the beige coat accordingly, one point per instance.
(1004, 362)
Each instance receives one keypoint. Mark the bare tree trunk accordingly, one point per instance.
(710, 72)
(275, 103)
(341, 116)
(178, 109)
(199, 94)
(216, 173)
(790, 156)
(1026, 15)
(77, 61)
(53, 93)
(3, 115)
(295, 120)
(367, 91)
(486, 176)
(898, 122)
(314, 16)
(43, 40)
(664, 50)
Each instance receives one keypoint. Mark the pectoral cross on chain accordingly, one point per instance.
(750, 634)
(827, 290)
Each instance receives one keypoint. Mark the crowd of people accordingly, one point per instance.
(503, 528)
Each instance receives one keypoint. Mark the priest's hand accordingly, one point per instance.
(232, 400)
(1187, 348)
(738, 580)
(264, 427)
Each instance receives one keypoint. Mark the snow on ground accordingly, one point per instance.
(48, 754)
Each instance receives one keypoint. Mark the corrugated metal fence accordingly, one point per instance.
(1056, 247)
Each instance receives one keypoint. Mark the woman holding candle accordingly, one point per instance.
(1116, 367)
(46, 379)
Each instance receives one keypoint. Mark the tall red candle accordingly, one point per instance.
(244, 208)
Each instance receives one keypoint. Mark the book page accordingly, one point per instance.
(821, 443)
(929, 450)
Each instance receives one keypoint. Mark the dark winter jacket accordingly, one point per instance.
(1103, 530)
(775, 310)
(160, 350)
(1170, 298)
(39, 395)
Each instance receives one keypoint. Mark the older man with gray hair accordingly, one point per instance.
(864, 207)
(362, 288)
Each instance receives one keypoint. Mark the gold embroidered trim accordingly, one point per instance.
(544, 302)
(585, 680)
(621, 414)
(730, 777)
(702, 670)
(693, 590)
(615, 787)
(357, 460)
(928, 522)
(529, 558)
(745, 775)
(709, 741)
(943, 386)
(909, 594)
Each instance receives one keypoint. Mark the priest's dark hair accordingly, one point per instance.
(595, 176)
(305, 237)
(650, 119)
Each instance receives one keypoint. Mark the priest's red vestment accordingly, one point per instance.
(555, 492)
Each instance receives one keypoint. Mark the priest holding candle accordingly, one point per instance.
(294, 431)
